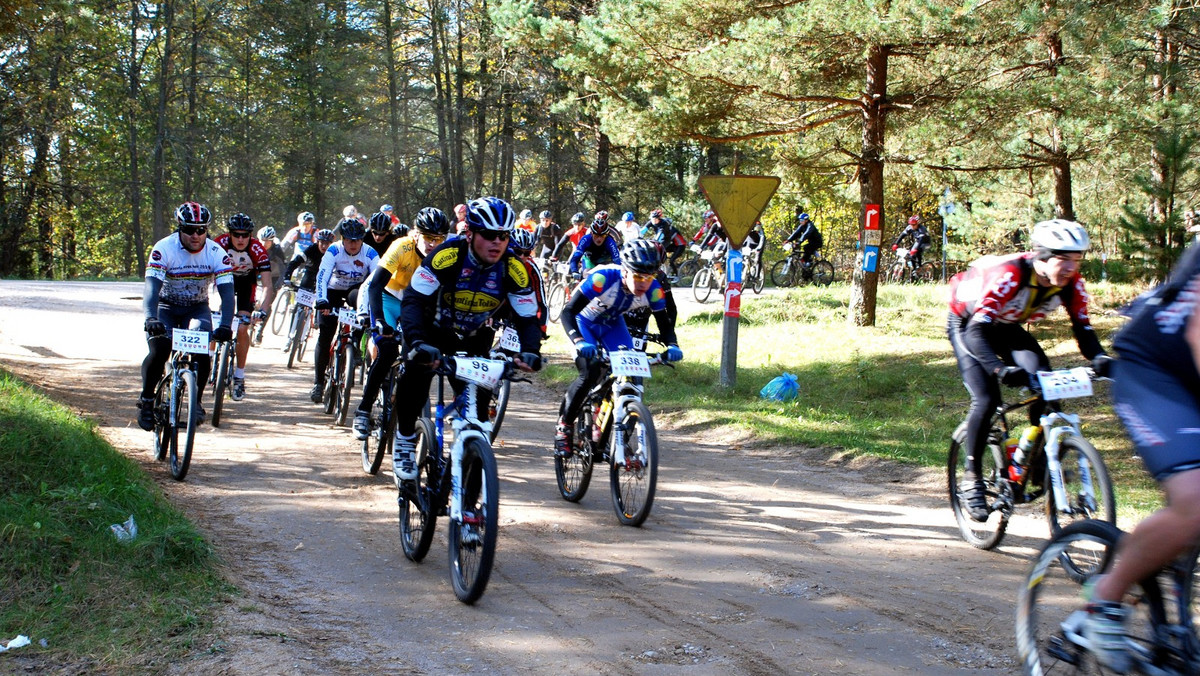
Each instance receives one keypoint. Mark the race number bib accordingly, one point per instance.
(482, 372)
(639, 343)
(216, 321)
(509, 340)
(630, 363)
(1065, 384)
(184, 340)
(707, 255)
(348, 317)
(306, 298)
(562, 268)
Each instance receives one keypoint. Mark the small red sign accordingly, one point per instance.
(733, 299)
(871, 217)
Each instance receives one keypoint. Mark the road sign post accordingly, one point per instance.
(738, 202)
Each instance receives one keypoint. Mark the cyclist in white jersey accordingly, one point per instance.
(180, 269)
(344, 267)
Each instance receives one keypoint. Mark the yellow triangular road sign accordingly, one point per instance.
(738, 201)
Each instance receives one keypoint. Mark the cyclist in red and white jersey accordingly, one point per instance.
(989, 303)
(250, 262)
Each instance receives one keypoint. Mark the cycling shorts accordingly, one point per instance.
(195, 317)
(244, 289)
(613, 336)
(1161, 414)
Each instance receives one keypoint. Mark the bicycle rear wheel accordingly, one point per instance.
(224, 364)
(783, 273)
(187, 412)
(418, 513)
(473, 539)
(1049, 607)
(349, 364)
(702, 285)
(574, 473)
(985, 534)
(555, 301)
(497, 408)
(164, 432)
(279, 313)
(633, 482)
(757, 278)
(925, 274)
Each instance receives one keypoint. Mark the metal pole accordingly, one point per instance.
(733, 312)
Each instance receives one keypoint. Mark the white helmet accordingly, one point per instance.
(1060, 235)
(266, 232)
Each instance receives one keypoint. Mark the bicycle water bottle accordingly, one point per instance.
(600, 419)
(1016, 470)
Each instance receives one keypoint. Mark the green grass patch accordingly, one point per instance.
(64, 577)
(891, 390)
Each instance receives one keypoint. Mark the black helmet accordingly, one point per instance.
(432, 221)
(380, 222)
(545, 214)
(639, 255)
(400, 230)
(577, 218)
(324, 235)
(240, 222)
(192, 213)
(352, 228)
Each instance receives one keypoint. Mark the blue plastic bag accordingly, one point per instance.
(781, 388)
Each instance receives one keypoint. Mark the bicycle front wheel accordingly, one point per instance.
(418, 512)
(574, 472)
(224, 363)
(555, 301)
(497, 407)
(1088, 489)
(633, 481)
(473, 538)
(279, 312)
(349, 364)
(783, 273)
(1049, 607)
(822, 273)
(757, 278)
(702, 285)
(981, 534)
(188, 415)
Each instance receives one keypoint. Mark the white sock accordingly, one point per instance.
(239, 373)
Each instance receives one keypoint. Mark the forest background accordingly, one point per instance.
(981, 116)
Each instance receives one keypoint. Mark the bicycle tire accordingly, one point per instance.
(783, 273)
(686, 271)
(555, 301)
(1050, 599)
(333, 372)
(702, 285)
(346, 385)
(985, 534)
(386, 431)
(279, 311)
(471, 561)
(163, 429)
(573, 474)
(181, 454)
(1094, 501)
(498, 407)
(822, 273)
(895, 274)
(633, 483)
(294, 347)
(758, 279)
(305, 333)
(926, 274)
(418, 515)
(221, 385)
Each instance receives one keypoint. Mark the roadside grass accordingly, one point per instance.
(890, 391)
(64, 577)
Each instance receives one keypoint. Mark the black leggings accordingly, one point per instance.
(1015, 347)
(590, 372)
(388, 349)
(159, 351)
(328, 328)
(412, 389)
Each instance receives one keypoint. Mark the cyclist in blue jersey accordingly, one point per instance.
(310, 258)
(301, 237)
(178, 274)
(344, 267)
(446, 308)
(594, 317)
(597, 245)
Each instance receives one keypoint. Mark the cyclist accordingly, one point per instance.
(1156, 393)
(570, 238)
(310, 258)
(384, 289)
(710, 233)
(548, 232)
(460, 225)
(808, 237)
(380, 235)
(915, 232)
(390, 212)
(458, 287)
(627, 228)
(521, 245)
(251, 263)
(989, 304)
(593, 317)
(270, 242)
(660, 228)
(344, 267)
(594, 248)
(526, 222)
(300, 237)
(178, 274)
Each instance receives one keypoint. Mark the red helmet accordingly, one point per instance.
(913, 220)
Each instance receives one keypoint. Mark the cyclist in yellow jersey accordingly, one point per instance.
(384, 288)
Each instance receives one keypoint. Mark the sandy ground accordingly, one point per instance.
(755, 560)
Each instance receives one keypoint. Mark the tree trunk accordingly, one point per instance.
(457, 119)
(440, 83)
(481, 106)
(506, 143)
(158, 190)
(1064, 205)
(603, 170)
(41, 178)
(1166, 63)
(192, 85)
(870, 177)
(134, 241)
(389, 48)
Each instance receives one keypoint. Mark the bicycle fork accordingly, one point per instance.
(1054, 434)
(624, 393)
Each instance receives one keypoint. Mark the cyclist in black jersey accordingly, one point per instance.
(379, 234)
(916, 237)
(310, 258)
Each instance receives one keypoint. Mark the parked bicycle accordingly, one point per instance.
(711, 277)
(177, 401)
(459, 481)
(905, 271)
(342, 368)
(222, 370)
(1160, 633)
(791, 271)
(301, 324)
(1063, 466)
(615, 427)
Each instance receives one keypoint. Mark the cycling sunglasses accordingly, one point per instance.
(643, 276)
(193, 229)
(493, 235)
(239, 235)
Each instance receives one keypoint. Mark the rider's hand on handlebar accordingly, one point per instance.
(1015, 376)
(425, 354)
(673, 353)
(1102, 365)
(259, 315)
(585, 349)
(154, 327)
(528, 361)
(323, 306)
(222, 334)
(895, 246)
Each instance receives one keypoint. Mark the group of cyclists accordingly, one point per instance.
(441, 288)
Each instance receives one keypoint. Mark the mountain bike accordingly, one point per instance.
(905, 271)
(1063, 460)
(177, 401)
(459, 481)
(507, 346)
(1161, 631)
(616, 427)
(342, 366)
(689, 265)
(222, 370)
(710, 277)
(755, 276)
(280, 307)
(559, 285)
(301, 326)
(791, 270)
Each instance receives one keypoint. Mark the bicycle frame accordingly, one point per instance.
(462, 412)
(1056, 427)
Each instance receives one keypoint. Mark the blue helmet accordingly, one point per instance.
(628, 216)
(803, 216)
(490, 213)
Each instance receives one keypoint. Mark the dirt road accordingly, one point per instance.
(754, 561)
